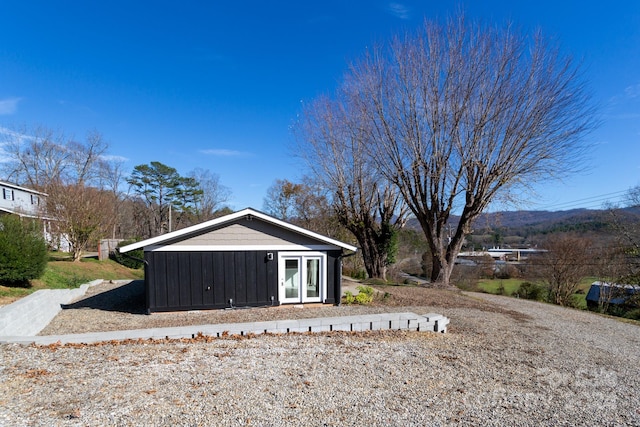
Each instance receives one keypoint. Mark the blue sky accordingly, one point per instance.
(216, 85)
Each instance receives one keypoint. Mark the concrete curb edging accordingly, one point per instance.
(31, 314)
(387, 321)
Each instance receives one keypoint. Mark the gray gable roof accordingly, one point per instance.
(247, 229)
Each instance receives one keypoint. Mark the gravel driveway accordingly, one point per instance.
(504, 362)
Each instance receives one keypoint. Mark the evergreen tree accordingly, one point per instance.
(23, 251)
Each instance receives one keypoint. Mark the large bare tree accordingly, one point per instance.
(460, 113)
(331, 138)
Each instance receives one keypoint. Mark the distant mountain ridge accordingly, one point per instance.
(531, 221)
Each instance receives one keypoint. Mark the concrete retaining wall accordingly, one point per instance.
(30, 315)
(396, 321)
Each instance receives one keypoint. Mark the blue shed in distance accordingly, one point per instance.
(612, 294)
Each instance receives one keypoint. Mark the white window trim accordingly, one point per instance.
(303, 255)
(8, 191)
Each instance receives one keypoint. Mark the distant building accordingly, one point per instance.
(613, 294)
(28, 203)
(21, 201)
(504, 254)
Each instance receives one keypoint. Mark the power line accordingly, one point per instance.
(587, 202)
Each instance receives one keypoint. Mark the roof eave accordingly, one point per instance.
(229, 218)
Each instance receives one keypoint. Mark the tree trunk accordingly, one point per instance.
(444, 249)
(374, 262)
(441, 271)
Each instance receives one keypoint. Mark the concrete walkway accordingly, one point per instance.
(31, 314)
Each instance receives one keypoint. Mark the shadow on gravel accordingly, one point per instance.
(127, 298)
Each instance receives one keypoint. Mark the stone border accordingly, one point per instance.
(371, 322)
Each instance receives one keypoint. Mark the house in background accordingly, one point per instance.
(245, 259)
(20, 201)
(606, 295)
(27, 203)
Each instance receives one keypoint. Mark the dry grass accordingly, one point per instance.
(420, 296)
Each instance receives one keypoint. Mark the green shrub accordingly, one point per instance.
(349, 298)
(359, 275)
(633, 314)
(364, 297)
(532, 291)
(128, 261)
(23, 251)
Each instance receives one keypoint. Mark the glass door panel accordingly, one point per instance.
(313, 278)
(292, 279)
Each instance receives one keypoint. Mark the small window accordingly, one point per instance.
(7, 194)
(35, 200)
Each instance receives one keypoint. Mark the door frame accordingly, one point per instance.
(302, 257)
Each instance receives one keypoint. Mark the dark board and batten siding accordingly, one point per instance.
(208, 280)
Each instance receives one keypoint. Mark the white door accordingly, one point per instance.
(302, 277)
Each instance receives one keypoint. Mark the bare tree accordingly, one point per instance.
(332, 140)
(86, 159)
(134, 218)
(567, 261)
(626, 248)
(612, 268)
(305, 204)
(314, 210)
(35, 157)
(82, 214)
(461, 113)
(281, 199)
(633, 196)
(214, 194)
(111, 178)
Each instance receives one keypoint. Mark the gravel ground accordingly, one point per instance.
(504, 362)
(113, 306)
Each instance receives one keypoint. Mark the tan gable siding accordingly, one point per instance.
(244, 232)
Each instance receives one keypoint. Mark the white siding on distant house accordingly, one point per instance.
(20, 200)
